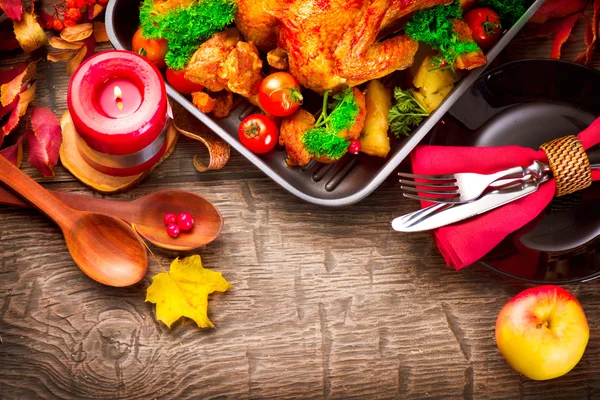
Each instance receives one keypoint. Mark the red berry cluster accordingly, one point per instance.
(178, 223)
(70, 13)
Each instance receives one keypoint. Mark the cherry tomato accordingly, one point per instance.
(184, 86)
(280, 94)
(153, 49)
(258, 133)
(485, 26)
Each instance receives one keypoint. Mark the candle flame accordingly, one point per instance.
(118, 93)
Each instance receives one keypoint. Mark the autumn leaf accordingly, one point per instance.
(14, 153)
(61, 44)
(20, 108)
(29, 33)
(8, 41)
(77, 32)
(44, 140)
(184, 290)
(555, 9)
(13, 80)
(100, 32)
(74, 62)
(61, 56)
(94, 11)
(12, 8)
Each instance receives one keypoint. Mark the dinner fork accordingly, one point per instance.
(463, 187)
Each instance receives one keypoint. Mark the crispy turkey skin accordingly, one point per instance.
(332, 43)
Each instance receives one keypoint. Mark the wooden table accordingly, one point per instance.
(325, 303)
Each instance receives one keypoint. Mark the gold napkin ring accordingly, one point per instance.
(569, 164)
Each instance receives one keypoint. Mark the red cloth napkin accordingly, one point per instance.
(464, 243)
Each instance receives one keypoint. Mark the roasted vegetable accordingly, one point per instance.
(433, 84)
(375, 140)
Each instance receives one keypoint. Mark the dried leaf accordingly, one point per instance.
(61, 44)
(7, 109)
(591, 36)
(44, 17)
(23, 101)
(184, 290)
(44, 140)
(12, 8)
(94, 11)
(562, 34)
(61, 56)
(77, 32)
(14, 153)
(14, 80)
(554, 9)
(29, 33)
(100, 32)
(74, 62)
(8, 41)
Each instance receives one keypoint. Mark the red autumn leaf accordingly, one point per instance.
(4, 110)
(553, 9)
(563, 33)
(591, 36)
(10, 74)
(44, 17)
(14, 153)
(44, 140)
(15, 83)
(8, 41)
(23, 100)
(12, 8)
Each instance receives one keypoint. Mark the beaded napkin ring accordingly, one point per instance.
(569, 164)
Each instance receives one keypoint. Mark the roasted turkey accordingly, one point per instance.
(332, 43)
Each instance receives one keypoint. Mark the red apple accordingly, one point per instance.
(542, 332)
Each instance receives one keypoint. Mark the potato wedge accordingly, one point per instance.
(375, 140)
(433, 84)
(430, 80)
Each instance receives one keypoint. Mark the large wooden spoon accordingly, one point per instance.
(146, 215)
(104, 247)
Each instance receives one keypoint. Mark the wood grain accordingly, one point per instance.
(325, 303)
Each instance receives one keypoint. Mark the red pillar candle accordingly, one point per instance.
(118, 104)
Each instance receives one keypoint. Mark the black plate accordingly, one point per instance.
(528, 103)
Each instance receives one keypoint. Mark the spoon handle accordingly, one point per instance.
(121, 209)
(33, 192)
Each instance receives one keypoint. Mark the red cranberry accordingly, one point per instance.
(173, 230)
(170, 219)
(185, 221)
(354, 147)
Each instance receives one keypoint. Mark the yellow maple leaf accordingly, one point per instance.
(184, 290)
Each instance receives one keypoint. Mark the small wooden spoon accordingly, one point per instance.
(105, 248)
(146, 215)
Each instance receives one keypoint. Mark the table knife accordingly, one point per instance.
(439, 215)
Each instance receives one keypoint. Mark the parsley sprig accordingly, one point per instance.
(406, 114)
(435, 26)
(323, 139)
(186, 28)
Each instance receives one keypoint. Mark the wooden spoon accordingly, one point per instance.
(146, 215)
(104, 247)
